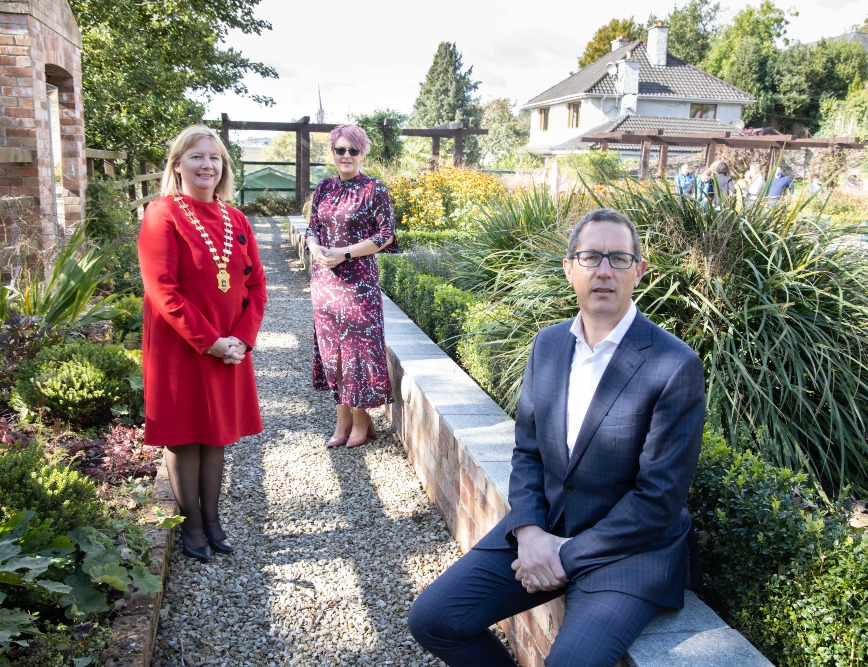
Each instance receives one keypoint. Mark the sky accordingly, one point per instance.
(364, 56)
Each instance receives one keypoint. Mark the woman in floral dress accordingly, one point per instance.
(350, 221)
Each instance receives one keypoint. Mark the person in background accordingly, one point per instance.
(780, 183)
(350, 221)
(814, 186)
(755, 182)
(203, 305)
(684, 181)
(705, 187)
(724, 187)
(607, 439)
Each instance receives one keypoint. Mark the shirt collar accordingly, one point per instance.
(615, 336)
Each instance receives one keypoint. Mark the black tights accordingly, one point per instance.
(196, 475)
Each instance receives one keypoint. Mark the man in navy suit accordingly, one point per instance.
(607, 439)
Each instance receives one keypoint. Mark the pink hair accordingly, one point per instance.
(352, 133)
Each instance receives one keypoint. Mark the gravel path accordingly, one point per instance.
(332, 545)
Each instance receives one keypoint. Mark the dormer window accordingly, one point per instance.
(703, 111)
(544, 119)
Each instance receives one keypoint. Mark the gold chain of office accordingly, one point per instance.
(221, 262)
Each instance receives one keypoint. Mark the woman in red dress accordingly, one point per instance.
(350, 221)
(204, 301)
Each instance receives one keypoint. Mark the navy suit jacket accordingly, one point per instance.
(621, 495)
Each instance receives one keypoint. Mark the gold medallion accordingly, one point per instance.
(223, 281)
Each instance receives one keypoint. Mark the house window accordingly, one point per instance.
(703, 111)
(544, 119)
(573, 114)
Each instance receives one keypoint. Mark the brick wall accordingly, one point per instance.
(40, 45)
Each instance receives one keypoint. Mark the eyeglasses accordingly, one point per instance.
(592, 259)
(340, 150)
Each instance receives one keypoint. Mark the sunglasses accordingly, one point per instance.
(340, 150)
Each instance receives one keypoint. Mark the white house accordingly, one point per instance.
(637, 85)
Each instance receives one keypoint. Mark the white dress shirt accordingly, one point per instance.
(587, 368)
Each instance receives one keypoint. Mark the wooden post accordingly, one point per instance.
(302, 161)
(89, 167)
(644, 156)
(224, 128)
(661, 165)
(143, 169)
(108, 168)
(435, 152)
(385, 130)
(710, 153)
(458, 150)
(131, 174)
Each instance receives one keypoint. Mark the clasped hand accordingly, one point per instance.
(232, 349)
(327, 257)
(538, 566)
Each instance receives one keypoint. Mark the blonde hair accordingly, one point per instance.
(171, 182)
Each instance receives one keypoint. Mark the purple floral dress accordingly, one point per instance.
(347, 302)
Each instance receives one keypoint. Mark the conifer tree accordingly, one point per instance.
(447, 96)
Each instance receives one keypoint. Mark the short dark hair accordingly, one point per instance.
(606, 215)
(723, 168)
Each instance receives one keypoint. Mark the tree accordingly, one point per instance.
(148, 67)
(386, 144)
(447, 95)
(282, 148)
(806, 75)
(692, 29)
(845, 118)
(508, 133)
(601, 42)
(744, 53)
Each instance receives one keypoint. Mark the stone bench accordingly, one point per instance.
(460, 442)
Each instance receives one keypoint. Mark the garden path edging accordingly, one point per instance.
(134, 630)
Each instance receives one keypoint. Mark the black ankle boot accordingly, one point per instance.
(202, 554)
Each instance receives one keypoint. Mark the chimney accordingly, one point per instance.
(619, 42)
(627, 85)
(658, 44)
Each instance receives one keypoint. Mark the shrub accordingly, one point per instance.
(779, 561)
(596, 166)
(127, 318)
(427, 238)
(76, 382)
(438, 308)
(60, 496)
(270, 204)
(446, 198)
(21, 338)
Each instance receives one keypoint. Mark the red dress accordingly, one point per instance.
(191, 396)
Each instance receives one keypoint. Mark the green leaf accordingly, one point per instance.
(145, 581)
(83, 599)
(13, 622)
(110, 574)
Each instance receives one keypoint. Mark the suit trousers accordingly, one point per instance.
(451, 617)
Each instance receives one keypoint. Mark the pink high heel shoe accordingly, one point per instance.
(371, 433)
(338, 440)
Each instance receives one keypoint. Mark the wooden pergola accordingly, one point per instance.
(303, 129)
(773, 143)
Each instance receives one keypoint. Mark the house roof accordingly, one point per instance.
(678, 79)
(629, 122)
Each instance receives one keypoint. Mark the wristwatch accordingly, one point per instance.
(347, 255)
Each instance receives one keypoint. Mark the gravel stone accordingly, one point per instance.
(332, 545)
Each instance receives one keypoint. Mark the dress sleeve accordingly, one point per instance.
(314, 229)
(381, 207)
(247, 326)
(158, 259)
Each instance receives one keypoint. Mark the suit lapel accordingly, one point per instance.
(623, 365)
(561, 359)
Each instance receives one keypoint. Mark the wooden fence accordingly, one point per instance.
(139, 173)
